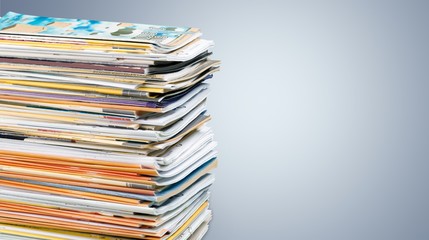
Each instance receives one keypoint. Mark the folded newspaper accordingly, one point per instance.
(103, 130)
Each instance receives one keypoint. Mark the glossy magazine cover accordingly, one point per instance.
(90, 29)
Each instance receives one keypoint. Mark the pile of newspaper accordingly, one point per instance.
(103, 130)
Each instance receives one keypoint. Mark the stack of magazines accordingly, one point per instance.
(103, 130)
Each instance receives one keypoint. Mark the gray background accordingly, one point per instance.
(321, 111)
